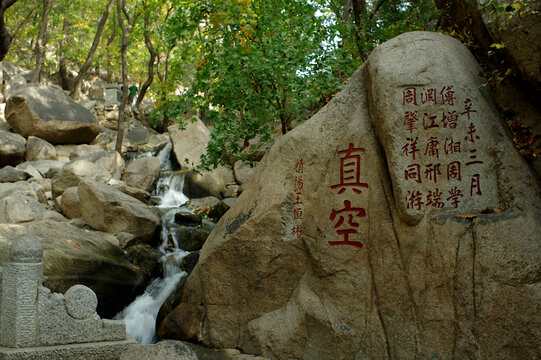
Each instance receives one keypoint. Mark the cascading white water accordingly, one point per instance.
(169, 189)
(140, 315)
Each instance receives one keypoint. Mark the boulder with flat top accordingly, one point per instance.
(48, 113)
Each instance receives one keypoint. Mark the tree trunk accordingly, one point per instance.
(120, 5)
(151, 62)
(62, 63)
(5, 37)
(42, 39)
(109, 53)
(86, 65)
(359, 9)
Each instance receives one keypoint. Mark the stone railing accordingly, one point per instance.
(38, 324)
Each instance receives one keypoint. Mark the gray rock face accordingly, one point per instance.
(39, 149)
(139, 194)
(23, 188)
(324, 257)
(17, 209)
(10, 174)
(12, 148)
(142, 172)
(70, 203)
(167, 349)
(189, 144)
(46, 168)
(105, 208)
(84, 150)
(138, 136)
(48, 113)
(209, 183)
(110, 160)
(72, 173)
(443, 146)
(243, 172)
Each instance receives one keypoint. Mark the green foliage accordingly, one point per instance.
(263, 64)
(250, 68)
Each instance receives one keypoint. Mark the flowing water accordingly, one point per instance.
(140, 315)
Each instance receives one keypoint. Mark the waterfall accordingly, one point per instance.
(140, 316)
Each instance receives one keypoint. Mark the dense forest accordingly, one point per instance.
(251, 68)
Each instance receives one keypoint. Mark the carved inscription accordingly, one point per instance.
(441, 146)
(298, 205)
(346, 219)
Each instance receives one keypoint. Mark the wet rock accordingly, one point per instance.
(189, 261)
(143, 256)
(183, 323)
(190, 238)
(172, 301)
(185, 217)
(219, 210)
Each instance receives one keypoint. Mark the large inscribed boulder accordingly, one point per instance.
(48, 113)
(345, 246)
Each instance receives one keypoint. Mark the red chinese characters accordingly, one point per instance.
(350, 170)
(346, 228)
(346, 219)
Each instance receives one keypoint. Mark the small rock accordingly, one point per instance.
(39, 149)
(12, 148)
(10, 174)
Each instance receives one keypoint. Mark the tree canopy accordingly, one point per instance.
(251, 69)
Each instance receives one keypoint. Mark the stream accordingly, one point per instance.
(140, 315)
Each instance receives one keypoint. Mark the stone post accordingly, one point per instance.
(21, 281)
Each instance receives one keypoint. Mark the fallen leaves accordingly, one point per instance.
(524, 140)
(466, 216)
